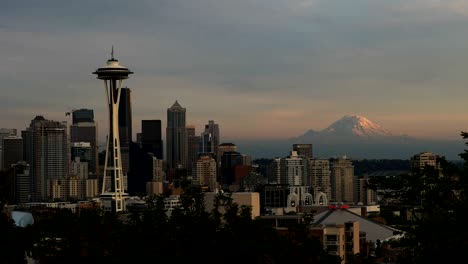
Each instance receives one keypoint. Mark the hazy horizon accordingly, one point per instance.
(260, 69)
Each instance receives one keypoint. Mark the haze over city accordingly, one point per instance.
(260, 69)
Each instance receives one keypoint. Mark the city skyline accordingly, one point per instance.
(263, 69)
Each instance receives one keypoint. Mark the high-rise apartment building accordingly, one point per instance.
(84, 129)
(293, 169)
(12, 151)
(176, 137)
(274, 171)
(303, 150)
(151, 138)
(47, 147)
(342, 180)
(206, 172)
(320, 176)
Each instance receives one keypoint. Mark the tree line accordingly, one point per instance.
(227, 234)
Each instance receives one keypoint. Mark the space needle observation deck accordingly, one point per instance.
(112, 194)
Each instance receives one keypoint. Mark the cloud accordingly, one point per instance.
(301, 63)
(435, 8)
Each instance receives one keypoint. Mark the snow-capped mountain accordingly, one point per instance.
(354, 136)
(353, 126)
(357, 126)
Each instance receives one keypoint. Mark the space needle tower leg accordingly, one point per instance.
(112, 188)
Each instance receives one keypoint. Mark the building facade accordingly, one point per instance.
(303, 150)
(151, 137)
(206, 173)
(84, 129)
(193, 142)
(320, 176)
(210, 139)
(176, 137)
(48, 157)
(12, 151)
(125, 127)
(293, 169)
(5, 132)
(342, 180)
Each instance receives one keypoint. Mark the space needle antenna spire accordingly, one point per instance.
(113, 194)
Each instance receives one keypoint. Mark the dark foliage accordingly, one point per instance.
(228, 234)
(437, 201)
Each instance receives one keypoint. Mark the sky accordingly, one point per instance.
(261, 69)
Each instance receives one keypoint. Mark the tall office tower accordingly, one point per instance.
(193, 143)
(225, 147)
(229, 161)
(125, 127)
(176, 137)
(319, 176)
(5, 132)
(293, 169)
(342, 178)
(210, 139)
(12, 151)
(419, 161)
(303, 150)
(151, 139)
(113, 74)
(206, 173)
(84, 129)
(47, 144)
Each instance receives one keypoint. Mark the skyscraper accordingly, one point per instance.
(293, 169)
(319, 176)
(5, 132)
(125, 126)
(229, 161)
(151, 139)
(193, 142)
(47, 147)
(84, 129)
(113, 195)
(342, 177)
(210, 139)
(176, 137)
(12, 151)
(225, 147)
(206, 173)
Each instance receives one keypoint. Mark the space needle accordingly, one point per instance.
(113, 195)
